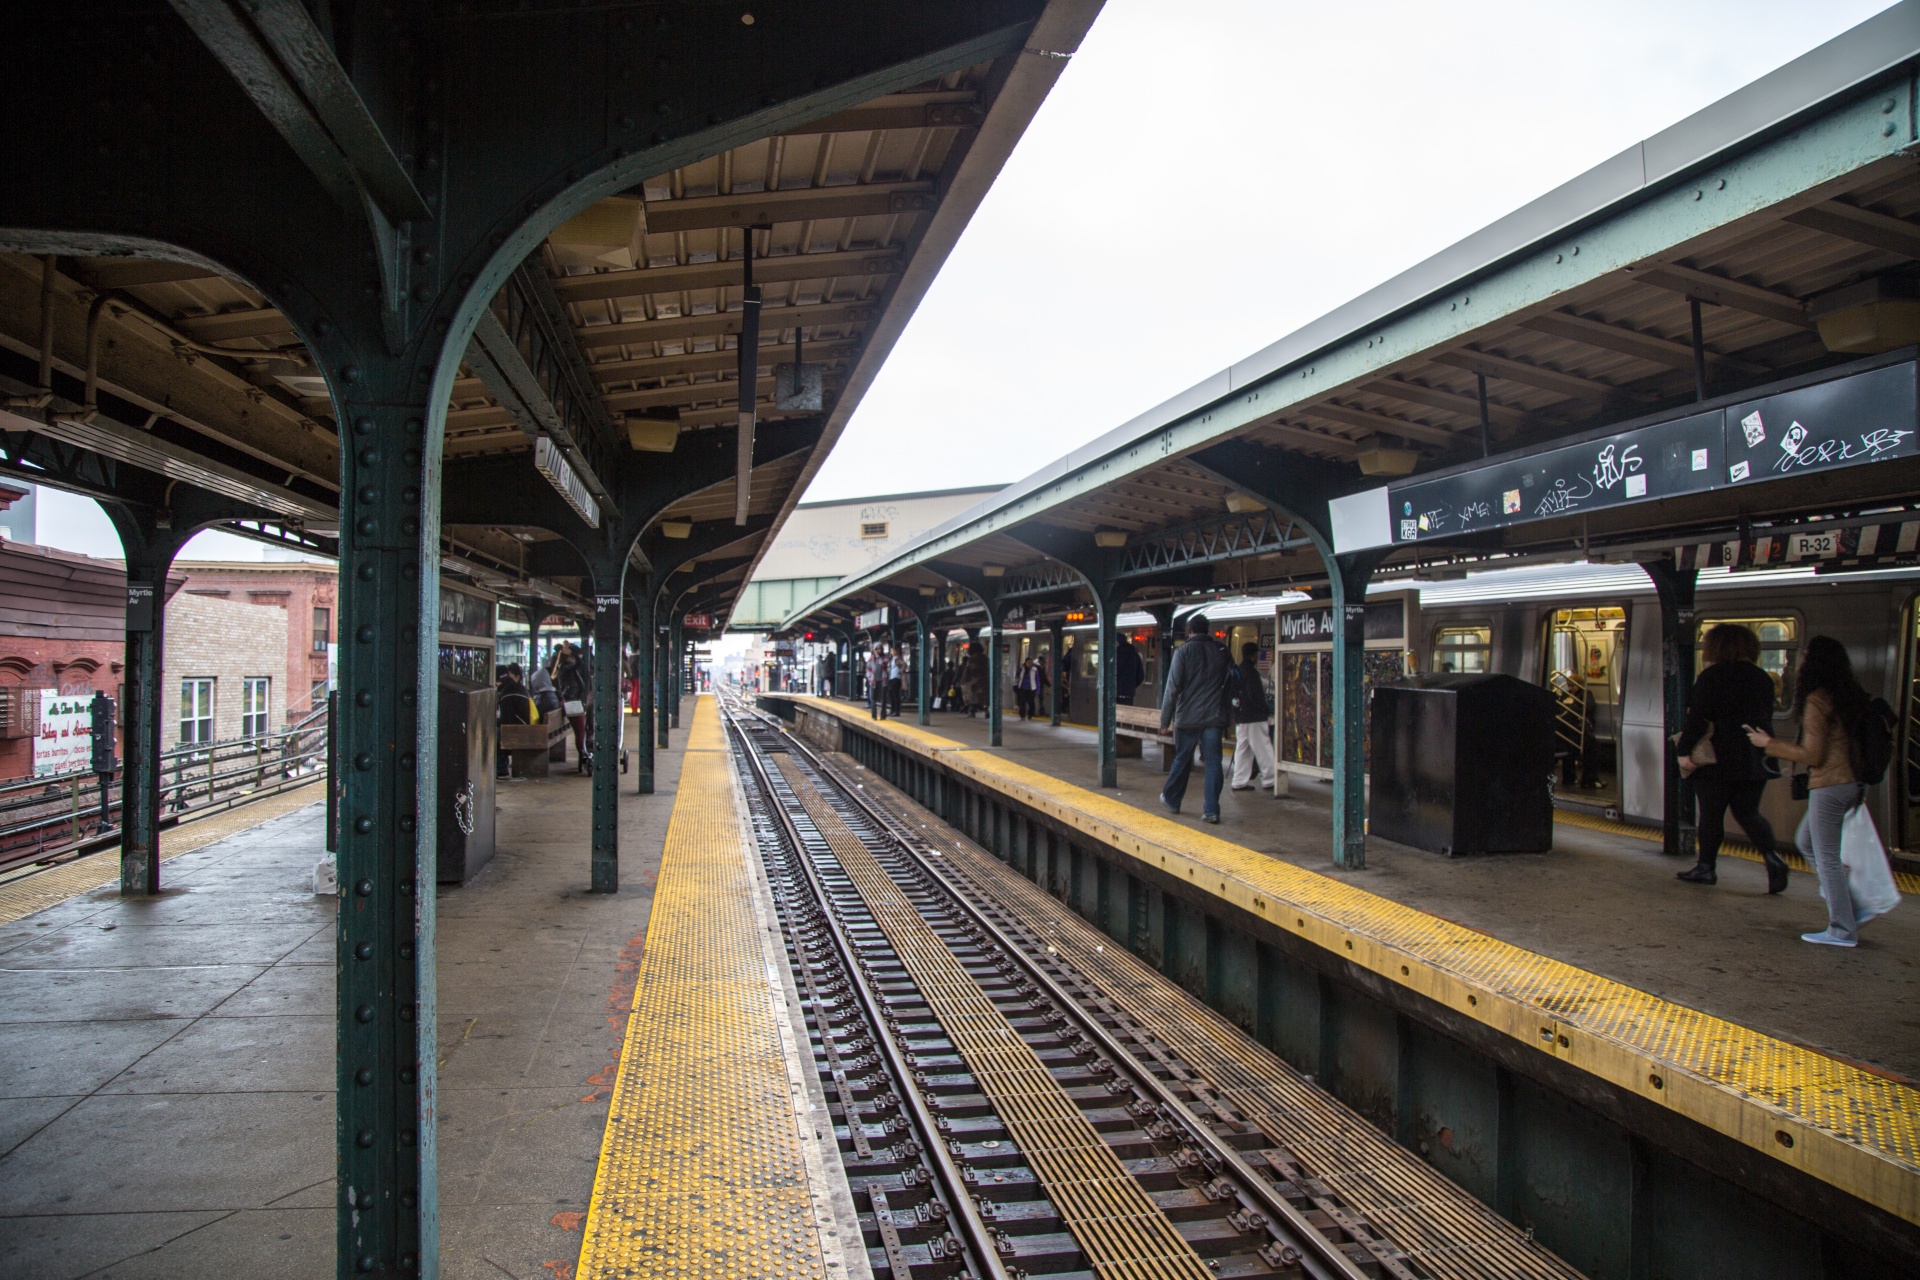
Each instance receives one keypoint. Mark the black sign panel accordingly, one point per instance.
(139, 606)
(1386, 620)
(1865, 417)
(1844, 423)
(1646, 464)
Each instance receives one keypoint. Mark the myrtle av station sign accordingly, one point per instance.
(1844, 422)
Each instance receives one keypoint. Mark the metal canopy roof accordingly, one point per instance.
(203, 380)
(1574, 308)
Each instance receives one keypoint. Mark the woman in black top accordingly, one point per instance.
(1732, 693)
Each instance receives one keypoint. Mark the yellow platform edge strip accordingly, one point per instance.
(26, 895)
(701, 1171)
(1846, 1126)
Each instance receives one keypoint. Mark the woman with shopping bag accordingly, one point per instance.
(1833, 709)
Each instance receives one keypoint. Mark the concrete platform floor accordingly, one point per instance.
(1608, 903)
(167, 1065)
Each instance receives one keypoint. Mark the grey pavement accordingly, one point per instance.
(167, 1065)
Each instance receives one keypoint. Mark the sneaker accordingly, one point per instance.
(1828, 938)
(1248, 787)
(1167, 804)
(1214, 818)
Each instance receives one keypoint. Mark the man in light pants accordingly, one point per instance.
(1253, 741)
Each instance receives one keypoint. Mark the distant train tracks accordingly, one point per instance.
(996, 1113)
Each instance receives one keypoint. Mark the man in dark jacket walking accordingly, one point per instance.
(1194, 707)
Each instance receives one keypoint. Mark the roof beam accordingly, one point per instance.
(1529, 375)
(725, 273)
(1862, 226)
(716, 324)
(895, 114)
(1451, 402)
(132, 273)
(1650, 347)
(804, 204)
(1783, 308)
(610, 372)
(225, 326)
(287, 67)
(1368, 420)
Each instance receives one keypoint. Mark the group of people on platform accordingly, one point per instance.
(1205, 695)
(887, 671)
(559, 688)
(1728, 752)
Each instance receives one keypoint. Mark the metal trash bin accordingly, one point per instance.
(1461, 764)
(468, 733)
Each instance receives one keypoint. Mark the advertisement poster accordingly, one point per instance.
(66, 733)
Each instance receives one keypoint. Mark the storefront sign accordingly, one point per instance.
(1866, 417)
(65, 743)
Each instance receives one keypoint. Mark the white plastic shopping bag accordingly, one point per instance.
(1869, 878)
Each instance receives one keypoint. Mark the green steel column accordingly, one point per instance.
(148, 554)
(643, 722)
(608, 718)
(996, 668)
(389, 610)
(1108, 602)
(660, 661)
(923, 671)
(1675, 587)
(1057, 637)
(1350, 575)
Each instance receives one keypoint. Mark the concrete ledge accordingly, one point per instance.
(1848, 1128)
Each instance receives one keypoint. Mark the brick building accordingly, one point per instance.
(303, 592)
(224, 668)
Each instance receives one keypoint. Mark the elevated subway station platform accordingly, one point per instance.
(1517, 1041)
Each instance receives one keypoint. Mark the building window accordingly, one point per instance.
(256, 694)
(873, 528)
(322, 629)
(1462, 650)
(196, 711)
(1779, 642)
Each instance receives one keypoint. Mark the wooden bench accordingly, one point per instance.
(1134, 727)
(530, 746)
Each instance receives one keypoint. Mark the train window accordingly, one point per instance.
(1779, 643)
(1462, 649)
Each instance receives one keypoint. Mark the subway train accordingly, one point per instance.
(1591, 634)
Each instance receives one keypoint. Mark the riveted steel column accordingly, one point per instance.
(996, 670)
(1350, 575)
(608, 716)
(661, 659)
(389, 606)
(1108, 686)
(923, 671)
(676, 683)
(149, 552)
(643, 673)
(1674, 586)
(1056, 637)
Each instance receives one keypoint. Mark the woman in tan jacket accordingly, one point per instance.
(1830, 704)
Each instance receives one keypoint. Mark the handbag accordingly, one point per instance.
(1703, 752)
(574, 707)
(1869, 878)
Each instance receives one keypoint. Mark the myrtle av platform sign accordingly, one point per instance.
(1843, 422)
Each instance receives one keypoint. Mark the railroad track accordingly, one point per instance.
(997, 1114)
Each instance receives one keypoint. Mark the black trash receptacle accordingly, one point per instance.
(468, 735)
(1461, 764)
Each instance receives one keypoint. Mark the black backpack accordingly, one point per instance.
(1874, 742)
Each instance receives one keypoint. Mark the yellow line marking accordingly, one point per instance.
(21, 898)
(702, 1173)
(1828, 1118)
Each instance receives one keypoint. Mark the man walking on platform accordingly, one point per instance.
(1194, 707)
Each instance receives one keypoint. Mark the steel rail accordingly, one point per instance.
(952, 1183)
(1323, 1258)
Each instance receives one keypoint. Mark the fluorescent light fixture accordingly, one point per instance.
(993, 570)
(1110, 538)
(676, 528)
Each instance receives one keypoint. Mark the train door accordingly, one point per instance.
(1585, 666)
(1908, 801)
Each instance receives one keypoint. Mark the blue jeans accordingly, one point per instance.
(1184, 741)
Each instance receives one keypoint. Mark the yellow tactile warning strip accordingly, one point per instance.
(1907, 881)
(1452, 1235)
(702, 1173)
(1122, 1232)
(1846, 1126)
(706, 732)
(42, 889)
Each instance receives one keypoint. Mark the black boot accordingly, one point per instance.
(1700, 873)
(1776, 872)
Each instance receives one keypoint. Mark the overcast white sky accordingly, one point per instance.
(1210, 175)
